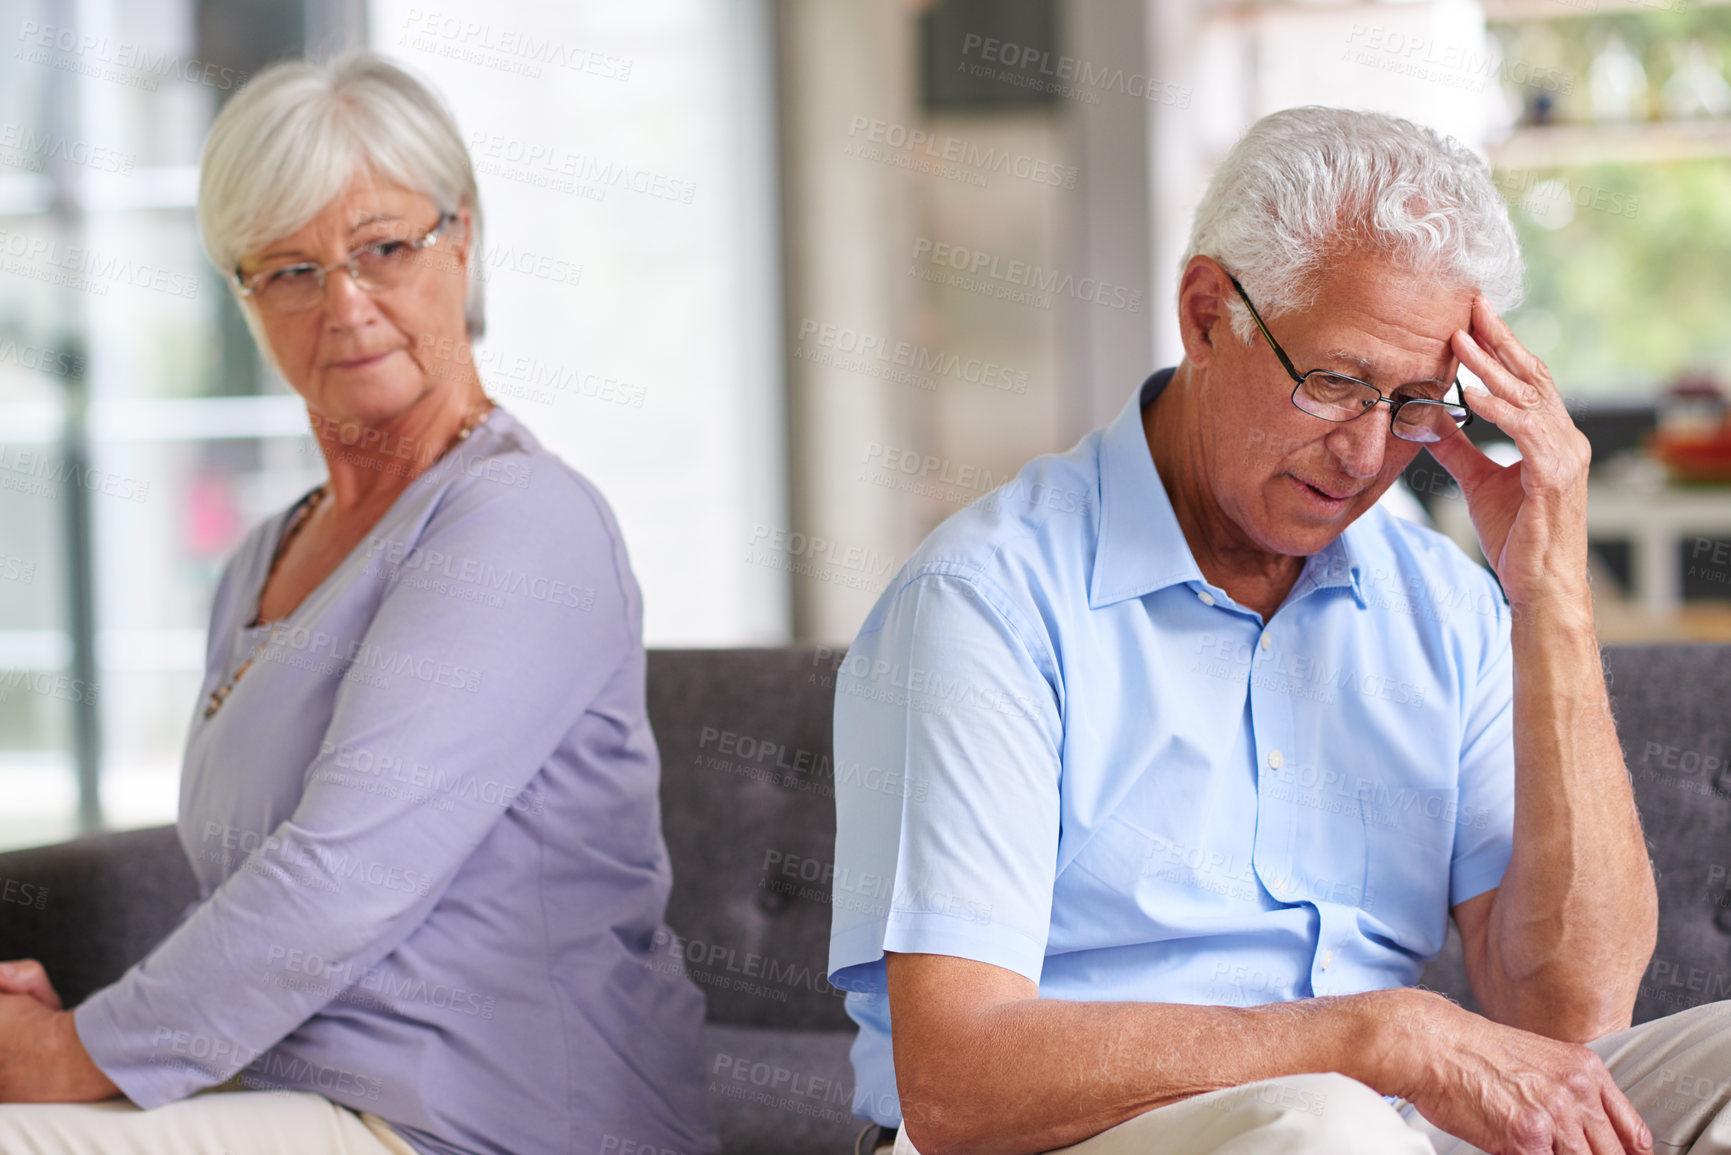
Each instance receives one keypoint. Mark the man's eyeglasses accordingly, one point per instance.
(380, 265)
(1337, 397)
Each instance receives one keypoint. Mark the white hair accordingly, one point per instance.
(1308, 185)
(289, 142)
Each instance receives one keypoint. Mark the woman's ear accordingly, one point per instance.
(466, 222)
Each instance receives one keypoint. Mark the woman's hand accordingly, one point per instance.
(26, 976)
(42, 1060)
(1531, 516)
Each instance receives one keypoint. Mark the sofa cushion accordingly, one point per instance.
(97, 905)
(781, 1092)
(1673, 710)
(748, 806)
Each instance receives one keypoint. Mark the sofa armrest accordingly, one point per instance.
(92, 907)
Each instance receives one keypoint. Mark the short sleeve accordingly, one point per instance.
(948, 737)
(1485, 816)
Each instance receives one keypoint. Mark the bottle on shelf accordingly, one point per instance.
(1616, 83)
(1697, 88)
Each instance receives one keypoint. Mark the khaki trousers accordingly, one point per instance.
(208, 1123)
(1675, 1070)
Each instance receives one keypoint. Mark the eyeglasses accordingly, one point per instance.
(380, 265)
(1337, 397)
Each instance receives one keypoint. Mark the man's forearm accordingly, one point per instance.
(1573, 923)
(1045, 1073)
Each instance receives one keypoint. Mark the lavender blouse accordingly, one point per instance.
(427, 838)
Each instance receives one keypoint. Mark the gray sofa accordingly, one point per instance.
(749, 815)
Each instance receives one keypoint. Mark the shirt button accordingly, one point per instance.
(1266, 643)
(1327, 957)
(1206, 597)
(1274, 759)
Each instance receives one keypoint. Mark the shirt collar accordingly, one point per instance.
(1141, 547)
(1335, 565)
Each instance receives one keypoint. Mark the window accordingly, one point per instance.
(633, 317)
(1618, 158)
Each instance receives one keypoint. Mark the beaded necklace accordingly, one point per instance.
(299, 518)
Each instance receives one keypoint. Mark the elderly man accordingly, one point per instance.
(1202, 749)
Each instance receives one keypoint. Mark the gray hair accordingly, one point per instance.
(1306, 185)
(289, 142)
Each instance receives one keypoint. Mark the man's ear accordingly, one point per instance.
(1202, 296)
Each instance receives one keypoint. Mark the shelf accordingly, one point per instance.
(1242, 11)
(1520, 11)
(1560, 145)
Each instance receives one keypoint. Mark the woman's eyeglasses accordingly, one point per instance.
(379, 265)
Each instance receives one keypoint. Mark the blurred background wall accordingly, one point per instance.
(791, 282)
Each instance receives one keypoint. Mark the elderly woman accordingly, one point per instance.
(419, 791)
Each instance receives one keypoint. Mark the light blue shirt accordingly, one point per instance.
(1113, 779)
(427, 837)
